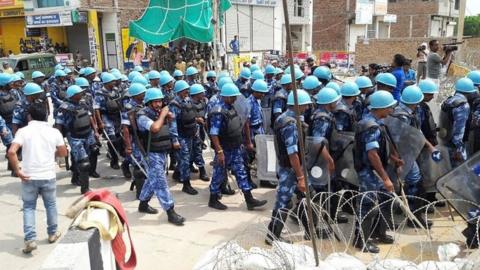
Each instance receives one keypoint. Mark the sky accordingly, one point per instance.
(473, 7)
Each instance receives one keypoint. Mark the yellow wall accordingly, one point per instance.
(93, 23)
(57, 34)
(17, 4)
(11, 30)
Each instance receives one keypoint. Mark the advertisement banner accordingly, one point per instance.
(339, 59)
(7, 3)
(381, 7)
(364, 12)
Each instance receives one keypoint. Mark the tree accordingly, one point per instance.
(472, 26)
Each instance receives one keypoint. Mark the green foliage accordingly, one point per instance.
(472, 26)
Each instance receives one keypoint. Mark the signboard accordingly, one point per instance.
(11, 13)
(33, 32)
(390, 18)
(92, 46)
(270, 3)
(53, 19)
(7, 3)
(364, 12)
(381, 7)
(340, 59)
(64, 58)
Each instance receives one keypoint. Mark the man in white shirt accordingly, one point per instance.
(40, 143)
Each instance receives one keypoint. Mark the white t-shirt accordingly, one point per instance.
(39, 143)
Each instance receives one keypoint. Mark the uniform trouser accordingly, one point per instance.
(80, 150)
(374, 213)
(114, 136)
(196, 155)
(287, 183)
(94, 152)
(157, 181)
(233, 161)
(413, 186)
(183, 157)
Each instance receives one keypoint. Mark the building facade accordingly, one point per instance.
(338, 24)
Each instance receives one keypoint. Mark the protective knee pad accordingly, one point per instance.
(83, 165)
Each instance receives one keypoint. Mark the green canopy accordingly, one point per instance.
(168, 20)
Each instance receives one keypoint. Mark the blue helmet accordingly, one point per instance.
(133, 74)
(37, 74)
(152, 94)
(229, 90)
(286, 79)
(428, 86)
(20, 74)
(363, 82)
(136, 89)
(327, 95)
(474, 76)
(260, 86)
(258, 75)
(146, 76)
(196, 89)
(81, 72)
(386, 79)
(73, 90)
(165, 79)
(117, 74)
(223, 74)
(60, 73)
(269, 69)
(164, 72)
(32, 89)
(141, 80)
(88, 71)
(411, 95)
(465, 85)
(107, 77)
(180, 86)
(349, 89)
(191, 71)
(288, 69)
(223, 81)
(323, 72)
(67, 71)
(4, 79)
(303, 98)
(138, 68)
(82, 82)
(381, 99)
(14, 78)
(311, 83)
(254, 68)
(299, 74)
(153, 75)
(211, 74)
(177, 73)
(245, 73)
(114, 70)
(59, 67)
(124, 78)
(334, 86)
(278, 71)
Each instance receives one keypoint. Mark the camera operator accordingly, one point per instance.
(422, 54)
(435, 61)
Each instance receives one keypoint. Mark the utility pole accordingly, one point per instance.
(460, 26)
(216, 35)
(311, 227)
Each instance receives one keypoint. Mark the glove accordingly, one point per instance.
(437, 156)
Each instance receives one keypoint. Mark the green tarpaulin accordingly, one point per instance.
(168, 20)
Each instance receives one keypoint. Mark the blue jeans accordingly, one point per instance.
(30, 191)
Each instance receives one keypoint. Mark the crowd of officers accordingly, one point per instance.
(148, 118)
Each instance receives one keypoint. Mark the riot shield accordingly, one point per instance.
(408, 140)
(242, 108)
(473, 143)
(342, 152)
(462, 186)
(431, 170)
(267, 118)
(267, 160)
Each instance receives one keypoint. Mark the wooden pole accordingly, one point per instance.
(311, 227)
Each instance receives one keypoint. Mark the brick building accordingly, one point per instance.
(337, 27)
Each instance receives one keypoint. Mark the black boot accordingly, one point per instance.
(138, 186)
(421, 217)
(114, 157)
(126, 170)
(252, 202)
(335, 211)
(187, 188)
(366, 247)
(143, 207)
(176, 176)
(193, 169)
(213, 202)
(84, 182)
(275, 227)
(173, 162)
(93, 157)
(74, 180)
(203, 174)
(364, 232)
(175, 218)
(225, 188)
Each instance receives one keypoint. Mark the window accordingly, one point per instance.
(49, 62)
(36, 63)
(22, 65)
(392, 1)
(298, 8)
(457, 4)
(50, 3)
